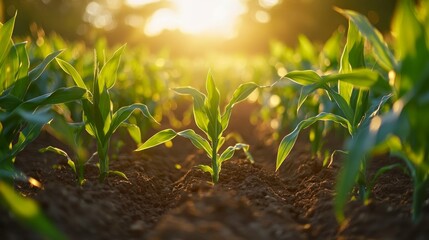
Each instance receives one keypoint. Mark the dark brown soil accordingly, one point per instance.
(251, 201)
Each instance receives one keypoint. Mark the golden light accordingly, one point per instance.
(211, 16)
(197, 17)
(137, 3)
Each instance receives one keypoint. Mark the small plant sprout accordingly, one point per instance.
(209, 119)
(71, 134)
(99, 119)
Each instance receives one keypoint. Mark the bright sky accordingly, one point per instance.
(212, 17)
(198, 17)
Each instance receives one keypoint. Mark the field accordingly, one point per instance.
(309, 142)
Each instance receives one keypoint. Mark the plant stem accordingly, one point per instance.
(215, 167)
(362, 182)
(419, 196)
(103, 156)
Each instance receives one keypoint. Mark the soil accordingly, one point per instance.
(166, 197)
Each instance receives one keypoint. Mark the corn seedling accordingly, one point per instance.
(404, 130)
(22, 115)
(209, 119)
(22, 118)
(71, 134)
(98, 117)
(348, 89)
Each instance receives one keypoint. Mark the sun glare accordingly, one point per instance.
(211, 16)
(137, 3)
(197, 17)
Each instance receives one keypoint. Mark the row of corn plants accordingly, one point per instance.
(57, 104)
(380, 97)
(376, 95)
(403, 129)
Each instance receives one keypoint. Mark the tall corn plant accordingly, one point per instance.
(208, 119)
(349, 90)
(404, 130)
(99, 119)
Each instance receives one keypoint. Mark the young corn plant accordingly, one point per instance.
(22, 117)
(349, 90)
(72, 134)
(404, 130)
(98, 117)
(208, 119)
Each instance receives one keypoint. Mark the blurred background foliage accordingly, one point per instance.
(258, 22)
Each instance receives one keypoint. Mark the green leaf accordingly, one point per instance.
(134, 132)
(353, 54)
(199, 108)
(157, 139)
(9, 102)
(6, 38)
(197, 140)
(206, 168)
(408, 30)
(27, 135)
(103, 110)
(70, 70)
(321, 83)
(289, 140)
(377, 105)
(360, 78)
(220, 143)
(333, 154)
(107, 77)
(66, 132)
(341, 103)
(352, 58)
(88, 117)
(411, 47)
(35, 73)
(124, 113)
(305, 92)
(348, 174)
(21, 85)
(366, 138)
(28, 212)
(62, 153)
(119, 173)
(9, 69)
(305, 77)
(214, 127)
(239, 95)
(61, 95)
(361, 106)
(363, 78)
(381, 52)
(229, 152)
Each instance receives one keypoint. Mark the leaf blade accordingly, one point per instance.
(157, 139)
(197, 140)
(289, 140)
